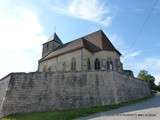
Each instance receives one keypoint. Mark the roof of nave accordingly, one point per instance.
(94, 42)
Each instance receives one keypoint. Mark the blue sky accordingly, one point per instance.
(26, 24)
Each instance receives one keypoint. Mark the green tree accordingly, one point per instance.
(158, 87)
(144, 75)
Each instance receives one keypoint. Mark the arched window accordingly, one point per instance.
(64, 66)
(45, 68)
(111, 65)
(117, 64)
(49, 69)
(88, 64)
(73, 64)
(108, 65)
(97, 64)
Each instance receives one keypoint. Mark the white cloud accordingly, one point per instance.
(120, 44)
(139, 10)
(21, 36)
(157, 76)
(152, 65)
(136, 53)
(91, 10)
(132, 54)
(117, 41)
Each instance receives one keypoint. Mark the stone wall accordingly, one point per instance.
(81, 56)
(28, 92)
(57, 63)
(103, 56)
(3, 88)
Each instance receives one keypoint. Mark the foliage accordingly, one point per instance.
(68, 114)
(144, 75)
(158, 87)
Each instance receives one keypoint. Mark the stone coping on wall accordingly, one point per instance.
(84, 71)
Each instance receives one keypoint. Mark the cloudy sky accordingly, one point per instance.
(132, 25)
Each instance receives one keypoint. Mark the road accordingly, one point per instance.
(147, 110)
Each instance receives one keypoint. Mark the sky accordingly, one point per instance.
(133, 26)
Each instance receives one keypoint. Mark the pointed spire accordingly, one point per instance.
(57, 39)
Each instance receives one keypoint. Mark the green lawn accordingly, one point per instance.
(68, 114)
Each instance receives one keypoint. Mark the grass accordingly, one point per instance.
(70, 113)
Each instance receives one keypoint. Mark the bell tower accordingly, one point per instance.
(53, 43)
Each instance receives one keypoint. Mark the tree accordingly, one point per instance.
(158, 87)
(144, 75)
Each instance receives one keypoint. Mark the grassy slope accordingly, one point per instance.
(68, 114)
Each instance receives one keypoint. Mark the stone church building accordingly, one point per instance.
(88, 53)
(82, 73)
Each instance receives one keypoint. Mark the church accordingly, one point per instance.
(92, 52)
(85, 72)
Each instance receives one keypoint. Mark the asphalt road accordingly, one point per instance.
(147, 110)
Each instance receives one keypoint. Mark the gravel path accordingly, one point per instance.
(147, 110)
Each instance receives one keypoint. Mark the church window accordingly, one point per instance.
(111, 65)
(45, 68)
(73, 64)
(103, 65)
(49, 69)
(97, 64)
(64, 66)
(108, 66)
(117, 65)
(88, 64)
(47, 45)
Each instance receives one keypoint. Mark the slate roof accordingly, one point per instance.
(55, 38)
(94, 42)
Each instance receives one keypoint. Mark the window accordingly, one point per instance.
(64, 66)
(45, 68)
(73, 64)
(49, 69)
(97, 64)
(111, 65)
(88, 64)
(117, 64)
(108, 66)
(47, 45)
(104, 64)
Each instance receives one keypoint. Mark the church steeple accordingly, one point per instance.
(56, 39)
(53, 43)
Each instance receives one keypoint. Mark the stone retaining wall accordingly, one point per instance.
(28, 92)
